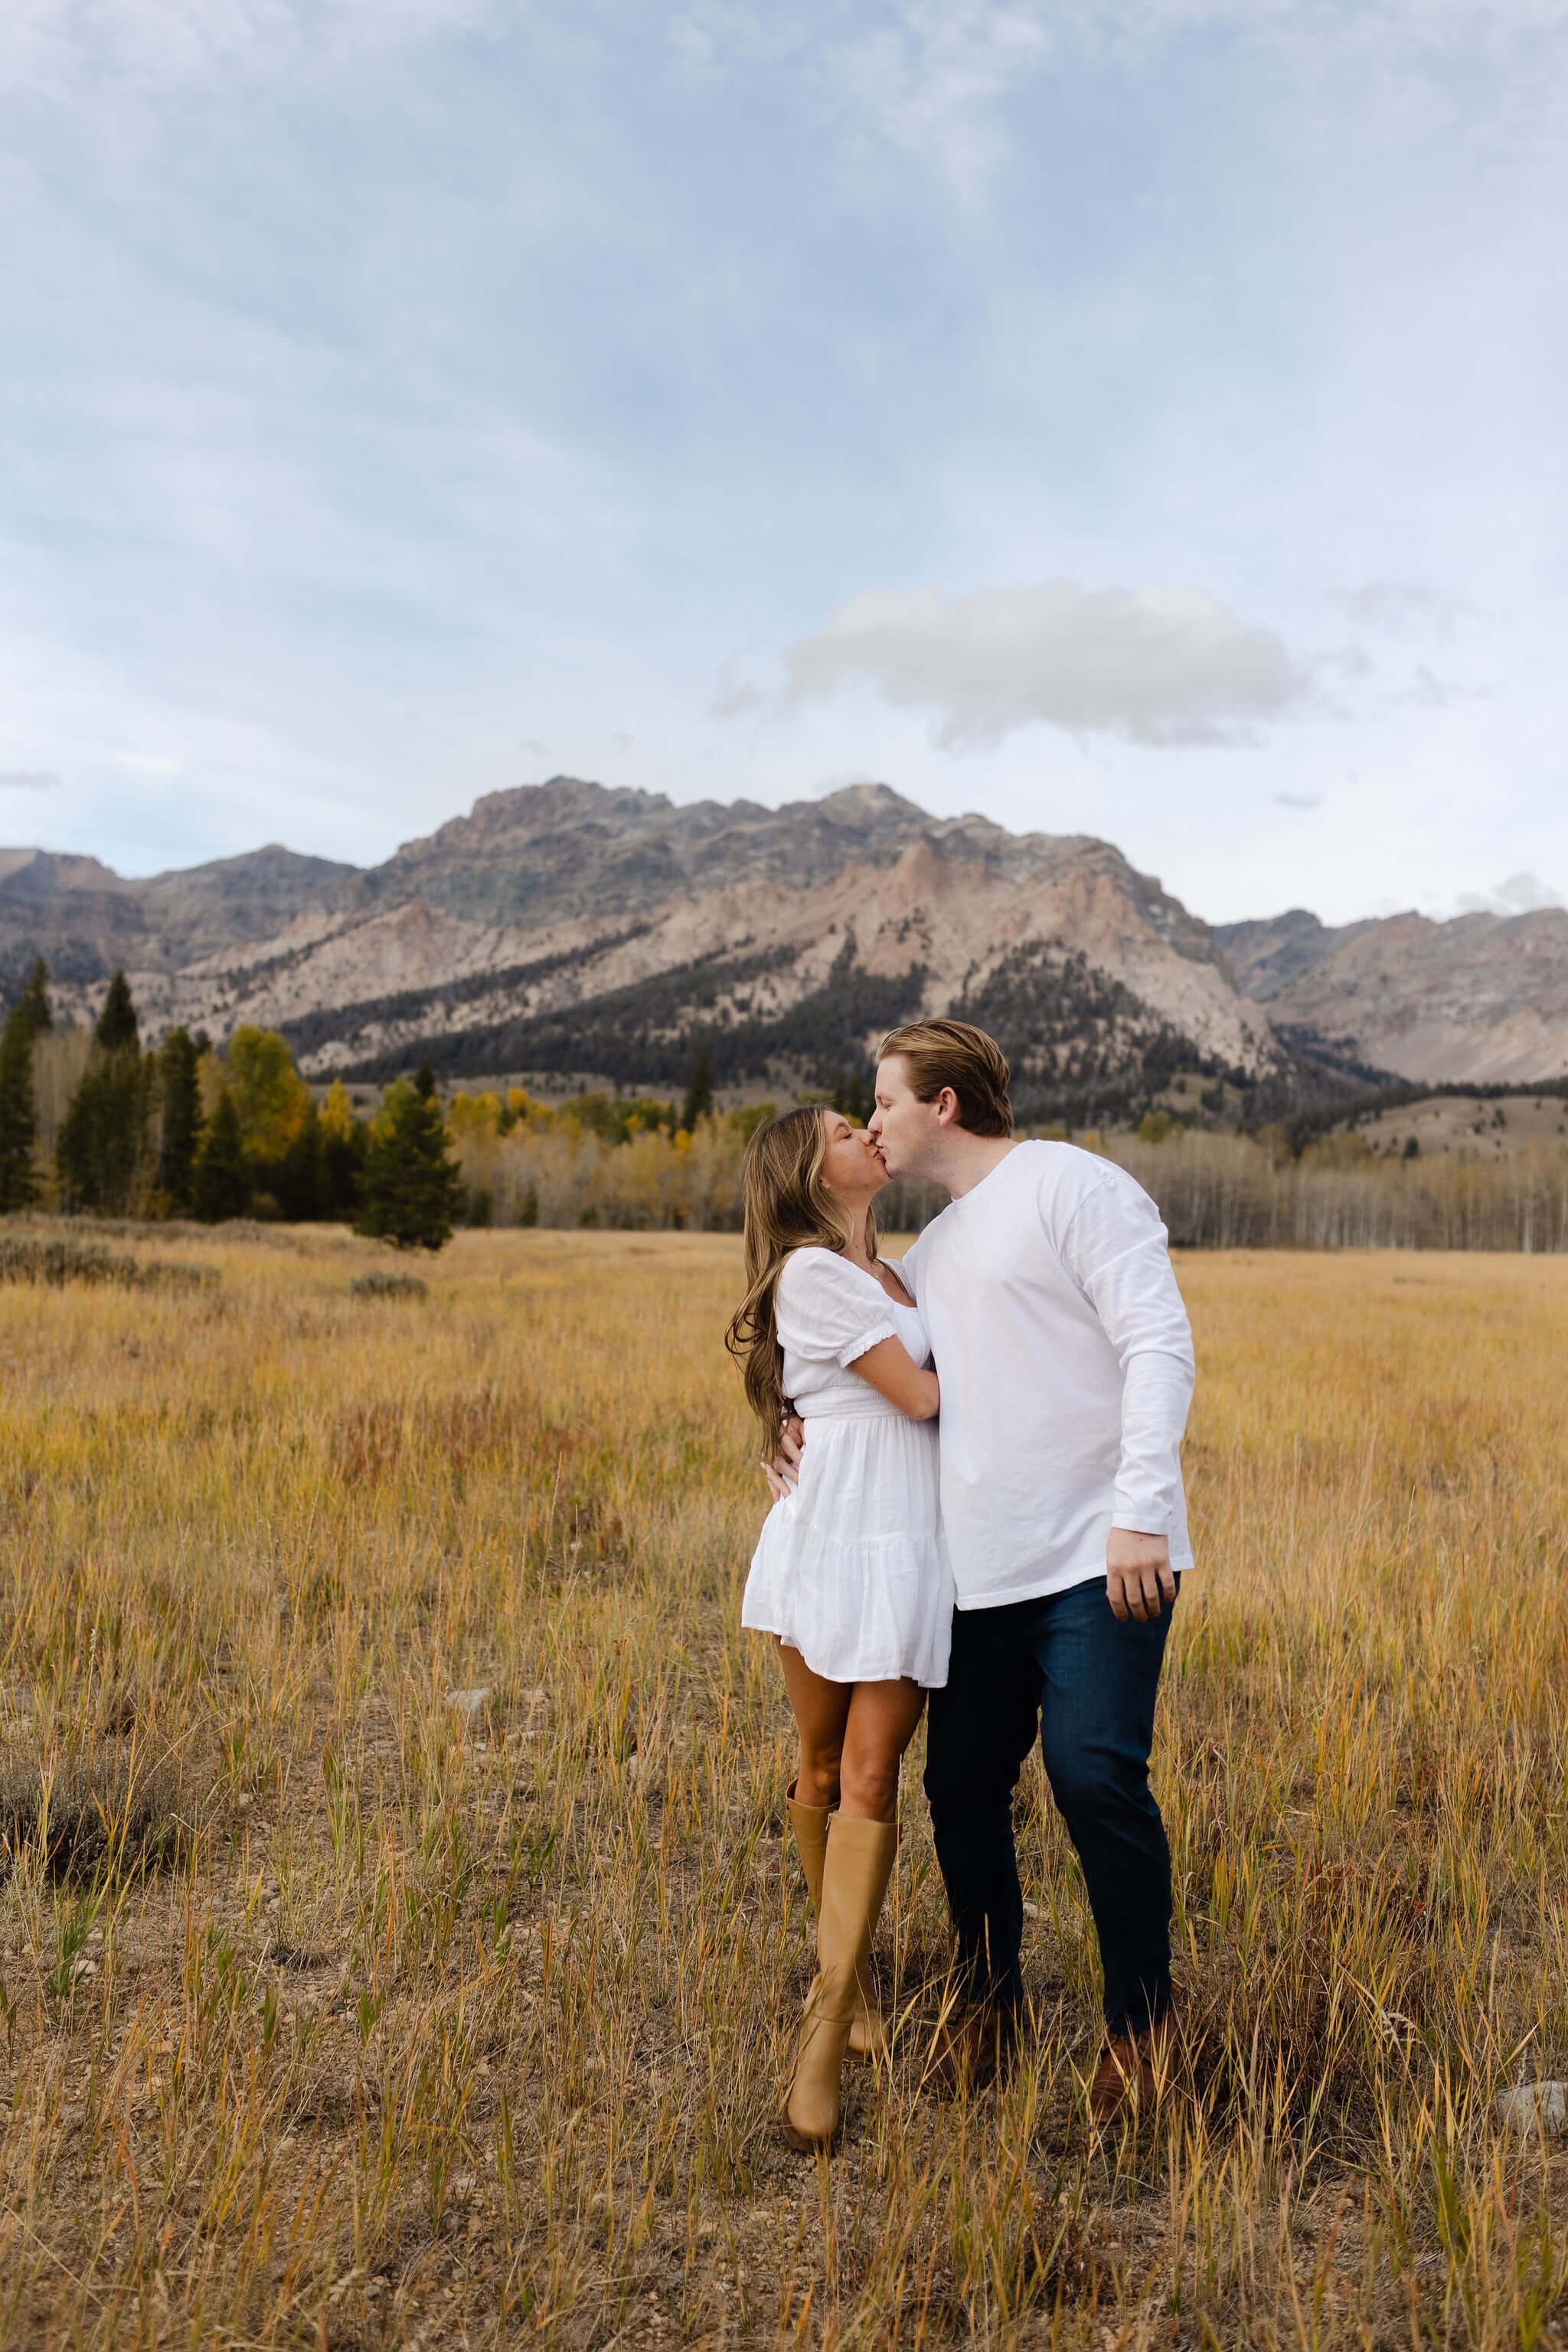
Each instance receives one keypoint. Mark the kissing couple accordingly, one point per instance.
(975, 1454)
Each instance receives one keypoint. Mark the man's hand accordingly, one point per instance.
(783, 1473)
(1139, 1580)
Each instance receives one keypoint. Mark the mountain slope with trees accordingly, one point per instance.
(567, 931)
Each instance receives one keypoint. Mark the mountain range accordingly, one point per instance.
(567, 931)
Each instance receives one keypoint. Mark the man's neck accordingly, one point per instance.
(968, 1160)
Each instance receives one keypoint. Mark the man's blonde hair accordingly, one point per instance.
(938, 1053)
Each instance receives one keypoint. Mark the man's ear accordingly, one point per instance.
(947, 1107)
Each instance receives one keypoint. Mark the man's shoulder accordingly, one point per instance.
(1065, 1174)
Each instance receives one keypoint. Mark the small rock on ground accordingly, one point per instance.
(469, 1702)
(1535, 2106)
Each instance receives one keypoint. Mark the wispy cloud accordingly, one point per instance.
(391, 382)
(44, 44)
(1153, 667)
(1394, 600)
(931, 76)
(1521, 894)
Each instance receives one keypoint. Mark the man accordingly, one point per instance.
(1066, 1363)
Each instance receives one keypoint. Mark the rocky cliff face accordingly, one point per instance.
(86, 919)
(1481, 998)
(576, 931)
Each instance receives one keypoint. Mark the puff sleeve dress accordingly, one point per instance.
(851, 1570)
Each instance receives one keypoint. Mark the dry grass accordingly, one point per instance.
(421, 2020)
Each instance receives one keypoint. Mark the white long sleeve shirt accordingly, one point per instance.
(1066, 1363)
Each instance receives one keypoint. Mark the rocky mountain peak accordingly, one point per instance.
(567, 918)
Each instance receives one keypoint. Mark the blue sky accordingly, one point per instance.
(1138, 417)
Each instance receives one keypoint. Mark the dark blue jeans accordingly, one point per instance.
(1066, 1667)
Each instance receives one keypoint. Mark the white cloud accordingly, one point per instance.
(1521, 894)
(1151, 665)
(46, 43)
(930, 79)
(734, 695)
(1396, 601)
(1298, 800)
(935, 77)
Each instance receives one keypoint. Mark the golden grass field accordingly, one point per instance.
(374, 2019)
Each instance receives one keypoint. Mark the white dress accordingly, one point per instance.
(851, 1570)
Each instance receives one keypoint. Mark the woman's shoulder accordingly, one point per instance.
(811, 1266)
(813, 1278)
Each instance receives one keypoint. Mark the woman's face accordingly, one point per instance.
(852, 1169)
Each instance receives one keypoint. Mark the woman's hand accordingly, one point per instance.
(783, 1473)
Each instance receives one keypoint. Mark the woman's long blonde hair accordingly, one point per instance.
(786, 1206)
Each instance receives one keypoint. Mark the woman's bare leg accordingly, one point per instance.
(881, 1723)
(821, 1711)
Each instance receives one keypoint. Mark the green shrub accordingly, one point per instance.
(381, 1284)
(56, 1262)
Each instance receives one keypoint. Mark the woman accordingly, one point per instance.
(850, 1576)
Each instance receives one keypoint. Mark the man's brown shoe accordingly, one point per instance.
(972, 2045)
(1133, 2071)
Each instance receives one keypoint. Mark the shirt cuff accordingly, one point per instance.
(867, 1340)
(1137, 1515)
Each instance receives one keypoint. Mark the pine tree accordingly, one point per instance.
(342, 1153)
(411, 1190)
(297, 1177)
(100, 1150)
(18, 1113)
(116, 1023)
(36, 1000)
(699, 1101)
(220, 1176)
(181, 1124)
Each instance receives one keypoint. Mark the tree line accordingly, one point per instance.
(182, 1130)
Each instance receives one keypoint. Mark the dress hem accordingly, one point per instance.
(895, 1673)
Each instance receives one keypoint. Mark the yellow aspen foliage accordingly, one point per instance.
(337, 1114)
(271, 1097)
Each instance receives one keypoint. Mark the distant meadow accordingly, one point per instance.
(592, 1163)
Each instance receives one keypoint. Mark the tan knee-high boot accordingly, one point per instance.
(856, 1865)
(867, 2032)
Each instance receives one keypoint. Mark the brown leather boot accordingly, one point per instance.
(972, 2043)
(1133, 2071)
(855, 1873)
(868, 2033)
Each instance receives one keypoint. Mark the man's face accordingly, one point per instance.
(904, 1129)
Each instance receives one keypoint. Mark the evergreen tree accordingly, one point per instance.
(411, 1190)
(181, 1124)
(18, 1112)
(699, 1101)
(297, 1179)
(117, 1026)
(853, 1097)
(343, 1154)
(36, 1000)
(424, 1081)
(100, 1150)
(220, 1176)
